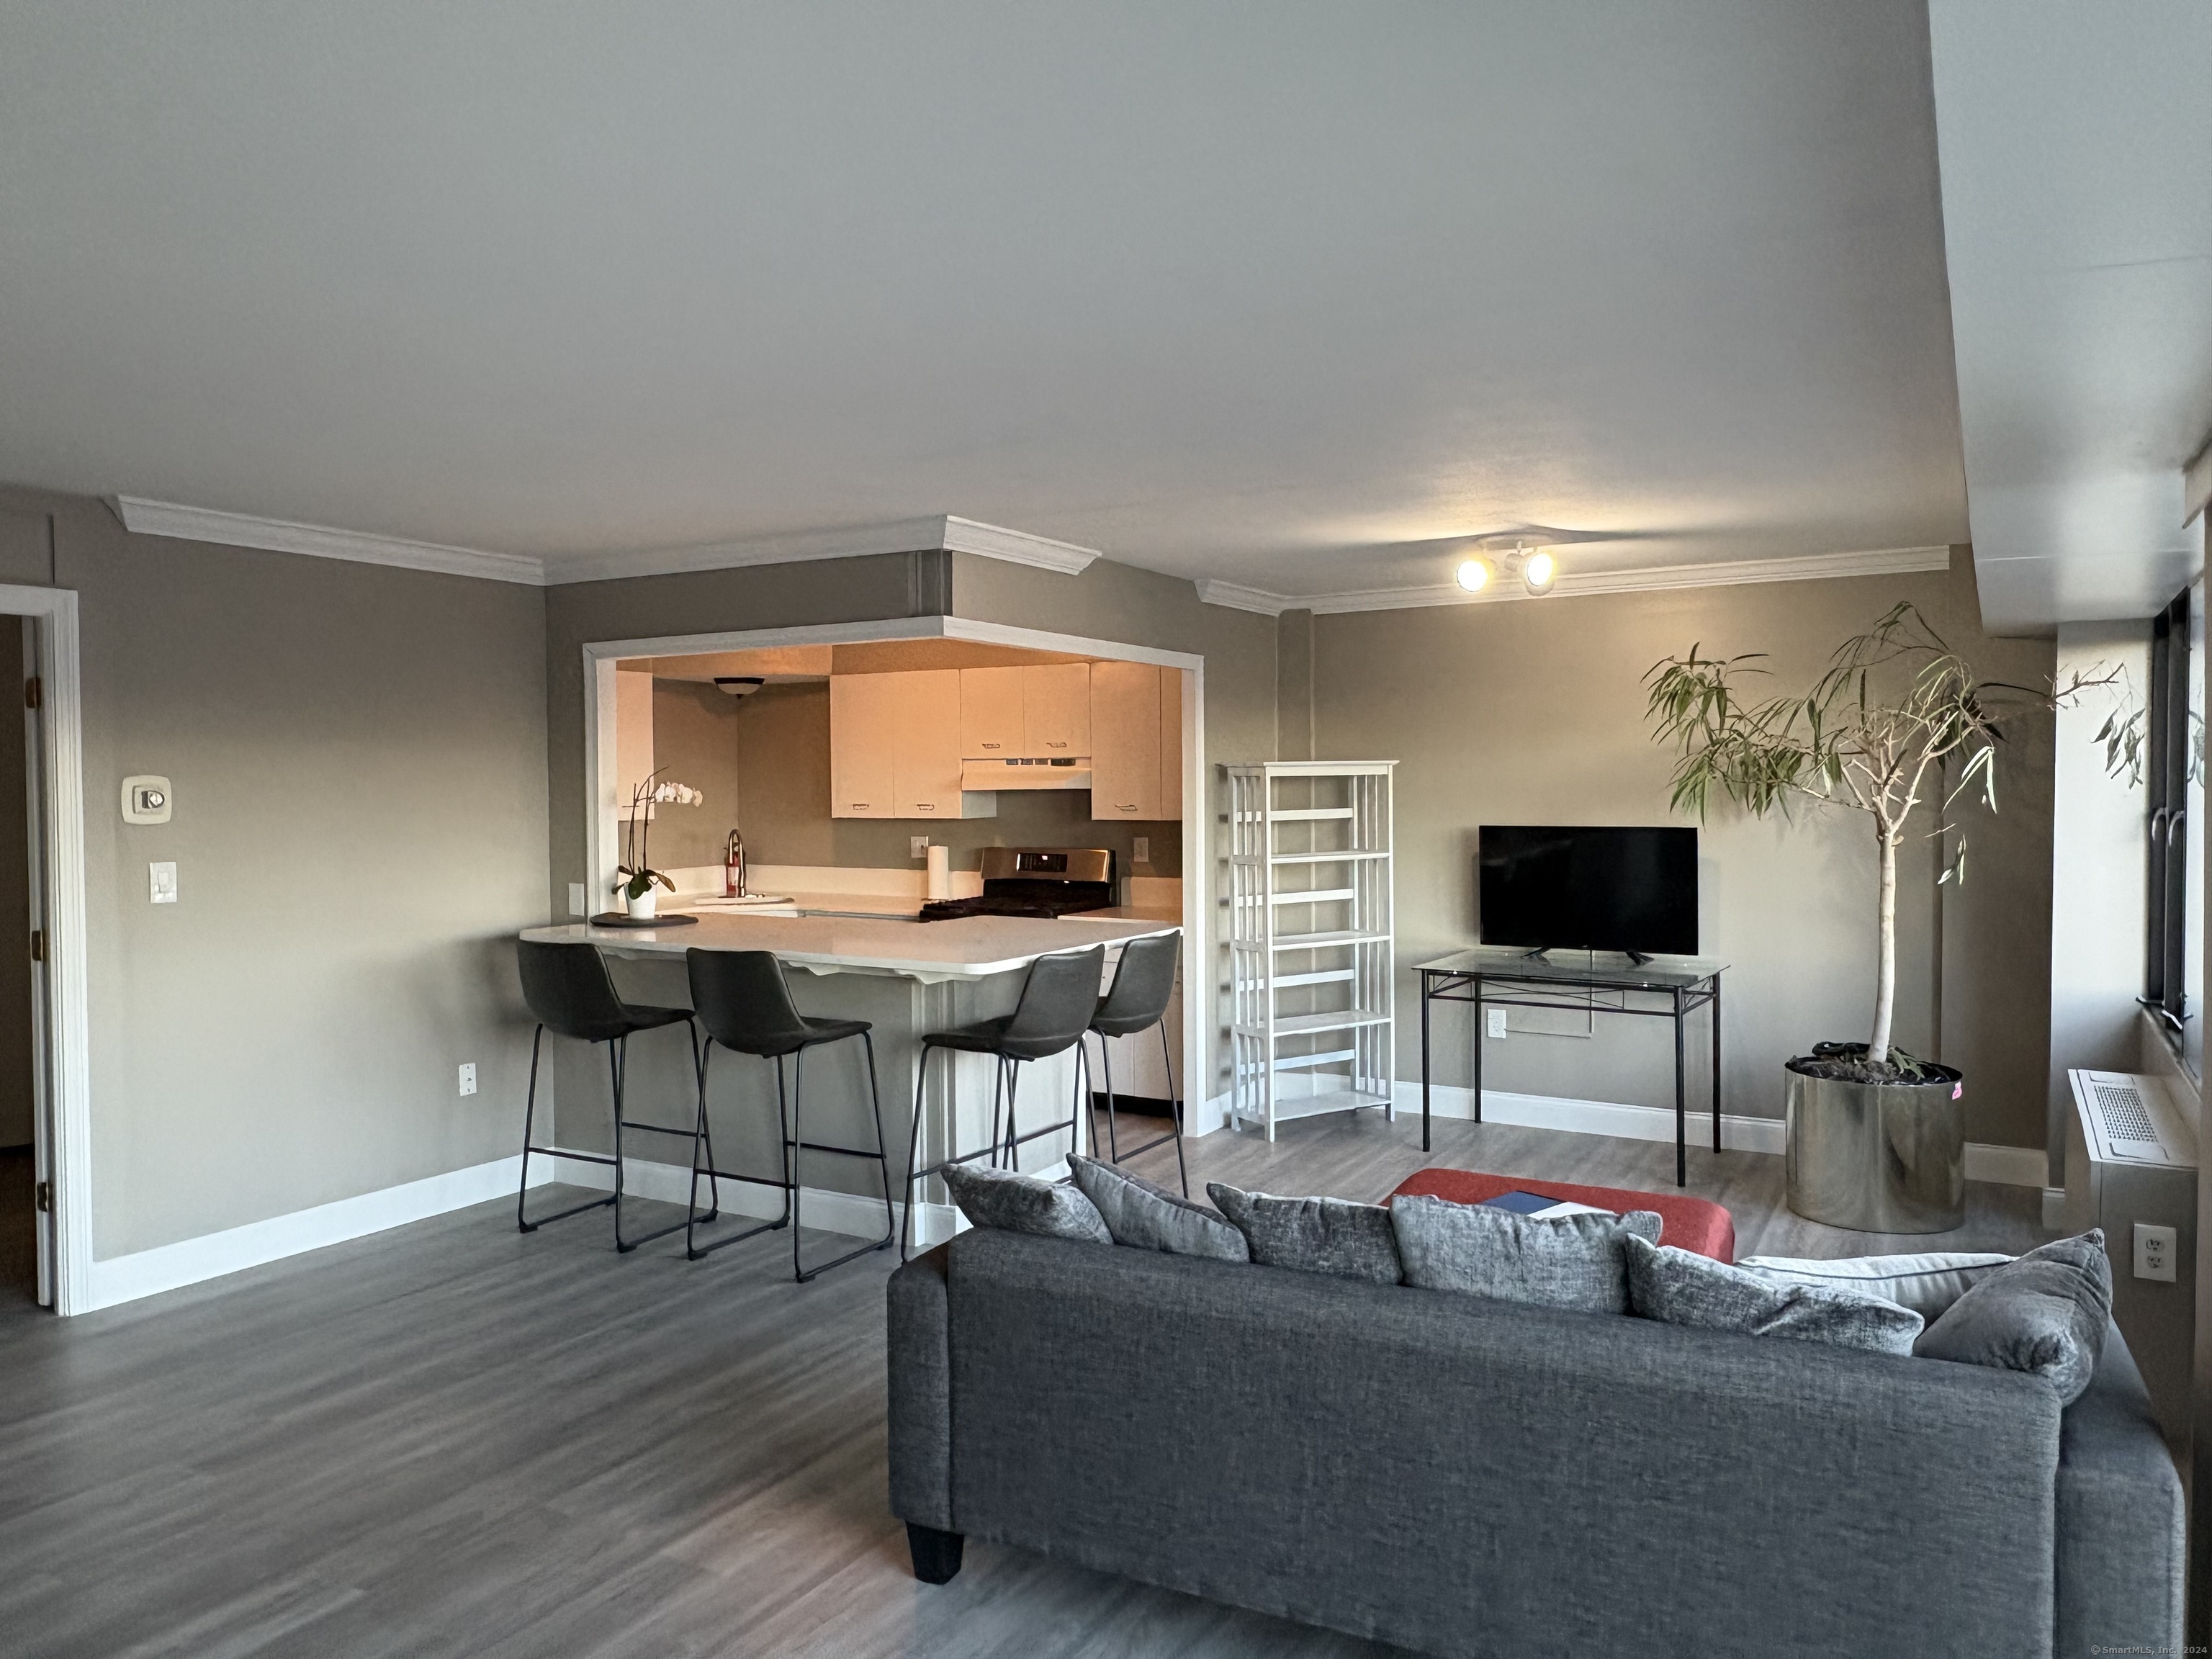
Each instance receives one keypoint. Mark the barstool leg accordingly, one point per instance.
(1113, 1119)
(703, 1131)
(1014, 1114)
(883, 1153)
(618, 1059)
(699, 1135)
(797, 1150)
(998, 1092)
(1175, 1106)
(529, 1117)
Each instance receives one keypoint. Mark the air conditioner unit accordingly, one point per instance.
(2131, 1170)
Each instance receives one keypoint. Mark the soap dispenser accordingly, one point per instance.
(733, 867)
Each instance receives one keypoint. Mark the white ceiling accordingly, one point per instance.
(1268, 295)
(2076, 145)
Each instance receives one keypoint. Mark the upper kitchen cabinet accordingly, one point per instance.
(991, 712)
(895, 742)
(1136, 741)
(1056, 710)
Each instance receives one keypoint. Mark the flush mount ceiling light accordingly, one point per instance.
(738, 685)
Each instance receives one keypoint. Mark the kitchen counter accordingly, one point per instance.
(969, 948)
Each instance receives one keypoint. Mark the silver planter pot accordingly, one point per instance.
(1878, 1158)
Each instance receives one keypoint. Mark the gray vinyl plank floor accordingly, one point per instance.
(453, 1439)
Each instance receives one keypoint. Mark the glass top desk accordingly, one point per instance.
(1665, 987)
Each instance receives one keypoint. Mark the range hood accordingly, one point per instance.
(1064, 772)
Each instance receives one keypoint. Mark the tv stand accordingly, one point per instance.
(1529, 979)
(1543, 953)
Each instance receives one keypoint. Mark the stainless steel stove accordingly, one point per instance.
(1035, 881)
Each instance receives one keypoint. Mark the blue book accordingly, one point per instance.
(1521, 1203)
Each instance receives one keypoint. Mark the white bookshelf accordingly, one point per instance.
(1312, 1026)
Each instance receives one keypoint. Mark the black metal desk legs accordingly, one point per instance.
(1716, 1062)
(1425, 1062)
(1681, 1115)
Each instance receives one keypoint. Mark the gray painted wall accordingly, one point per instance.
(1533, 712)
(358, 756)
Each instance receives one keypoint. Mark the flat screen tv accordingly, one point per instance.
(1584, 888)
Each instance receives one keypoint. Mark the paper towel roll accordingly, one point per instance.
(940, 873)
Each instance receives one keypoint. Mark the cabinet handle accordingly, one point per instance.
(859, 806)
(925, 806)
(1124, 806)
(1049, 744)
(993, 745)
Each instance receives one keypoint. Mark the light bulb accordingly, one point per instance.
(1540, 571)
(1474, 575)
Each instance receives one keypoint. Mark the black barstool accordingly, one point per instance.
(1057, 1002)
(743, 1000)
(1143, 983)
(569, 990)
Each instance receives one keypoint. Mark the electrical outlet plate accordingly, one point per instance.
(576, 905)
(161, 883)
(917, 847)
(1141, 850)
(146, 799)
(1496, 1018)
(468, 1076)
(2155, 1249)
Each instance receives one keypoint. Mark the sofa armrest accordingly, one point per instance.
(919, 1362)
(2121, 1554)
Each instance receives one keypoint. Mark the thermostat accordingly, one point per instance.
(146, 800)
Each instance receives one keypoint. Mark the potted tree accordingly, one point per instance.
(1899, 722)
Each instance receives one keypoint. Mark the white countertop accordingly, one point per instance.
(968, 948)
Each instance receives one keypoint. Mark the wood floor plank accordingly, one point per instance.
(451, 1439)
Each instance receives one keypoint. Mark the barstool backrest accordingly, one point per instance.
(569, 990)
(1144, 981)
(742, 998)
(1057, 1002)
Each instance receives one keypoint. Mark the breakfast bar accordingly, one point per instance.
(905, 977)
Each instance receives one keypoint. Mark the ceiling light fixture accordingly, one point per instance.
(738, 685)
(1474, 575)
(1538, 570)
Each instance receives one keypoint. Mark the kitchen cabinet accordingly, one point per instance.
(991, 712)
(1136, 742)
(863, 744)
(1125, 740)
(1056, 710)
(894, 743)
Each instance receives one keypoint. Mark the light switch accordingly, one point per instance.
(1497, 1018)
(1141, 849)
(146, 799)
(917, 847)
(2155, 1249)
(161, 879)
(576, 905)
(468, 1076)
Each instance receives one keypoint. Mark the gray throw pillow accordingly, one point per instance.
(1927, 1283)
(1677, 1287)
(1023, 1204)
(2043, 1313)
(1314, 1234)
(1571, 1261)
(1145, 1218)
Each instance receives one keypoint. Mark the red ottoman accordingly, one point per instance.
(1692, 1223)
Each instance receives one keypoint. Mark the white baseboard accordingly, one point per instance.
(2008, 1166)
(188, 1262)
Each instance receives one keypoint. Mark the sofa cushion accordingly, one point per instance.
(1146, 1217)
(1692, 1223)
(2043, 1313)
(1676, 1287)
(1570, 1261)
(1927, 1283)
(1313, 1235)
(1023, 1204)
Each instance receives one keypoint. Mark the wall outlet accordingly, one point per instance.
(1140, 850)
(1496, 1017)
(468, 1076)
(576, 905)
(917, 847)
(2155, 1249)
(161, 882)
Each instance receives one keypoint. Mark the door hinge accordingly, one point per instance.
(45, 1199)
(38, 944)
(35, 693)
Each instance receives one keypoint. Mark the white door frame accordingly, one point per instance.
(602, 822)
(61, 1107)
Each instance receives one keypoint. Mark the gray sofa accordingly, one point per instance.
(1462, 1476)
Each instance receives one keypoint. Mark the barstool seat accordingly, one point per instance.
(744, 1002)
(568, 987)
(1057, 1002)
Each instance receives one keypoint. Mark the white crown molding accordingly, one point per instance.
(1236, 597)
(200, 524)
(1650, 579)
(944, 531)
(990, 541)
